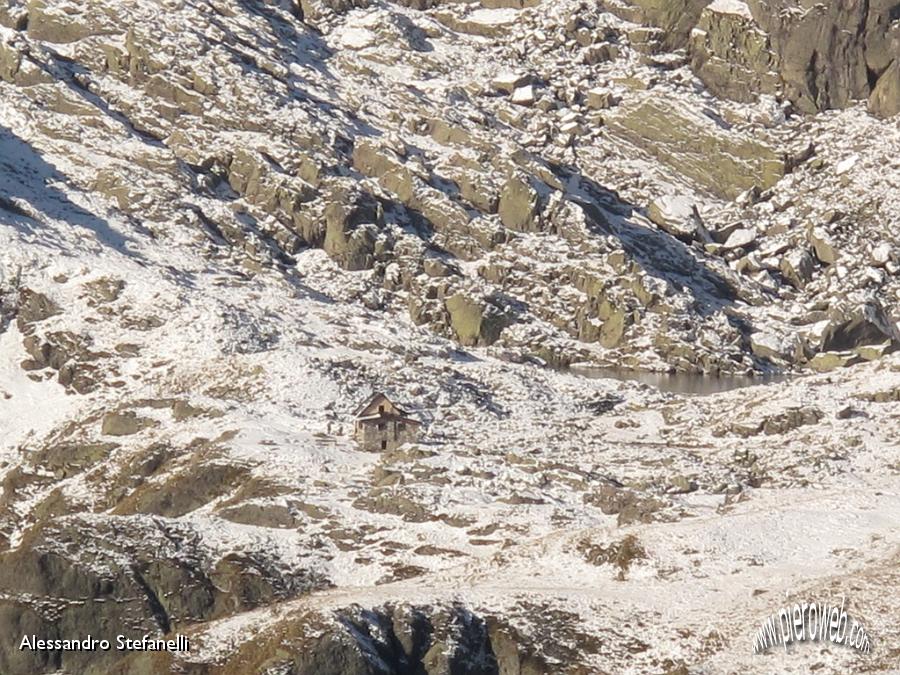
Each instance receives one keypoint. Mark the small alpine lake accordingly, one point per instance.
(696, 384)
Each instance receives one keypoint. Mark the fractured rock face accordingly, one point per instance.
(120, 583)
(822, 61)
(726, 164)
(885, 99)
(519, 204)
(475, 323)
(731, 54)
(350, 230)
(819, 56)
(676, 18)
(13, 15)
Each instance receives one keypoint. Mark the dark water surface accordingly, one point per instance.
(680, 383)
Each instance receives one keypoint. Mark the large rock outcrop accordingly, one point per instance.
(695, 146)
(817, 55)
(675, 17)
(732, 56)
(885, 98)
(93, 582)
(420, 640)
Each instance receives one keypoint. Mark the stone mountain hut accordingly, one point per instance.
(383, 425)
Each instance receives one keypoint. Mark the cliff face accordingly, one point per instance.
(817, 55)
(830, 54)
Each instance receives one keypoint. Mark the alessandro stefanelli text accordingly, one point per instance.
(91, 644)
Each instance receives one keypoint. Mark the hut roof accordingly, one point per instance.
(362, 411)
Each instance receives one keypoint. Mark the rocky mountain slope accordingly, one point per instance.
(226, 222)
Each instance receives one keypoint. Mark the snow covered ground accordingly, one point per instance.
(178, 374)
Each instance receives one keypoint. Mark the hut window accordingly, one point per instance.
(401, 426)
(381, 426)
(384, 445)
(381, 408)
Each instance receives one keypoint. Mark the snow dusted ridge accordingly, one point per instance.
(224, 224)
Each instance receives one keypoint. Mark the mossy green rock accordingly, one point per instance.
(350, 219)
(519, 202)
(826, 361)
(124, 424)
(726, 163)
(733, 56)
(49, 23)
(675, 17)
(474, 322)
